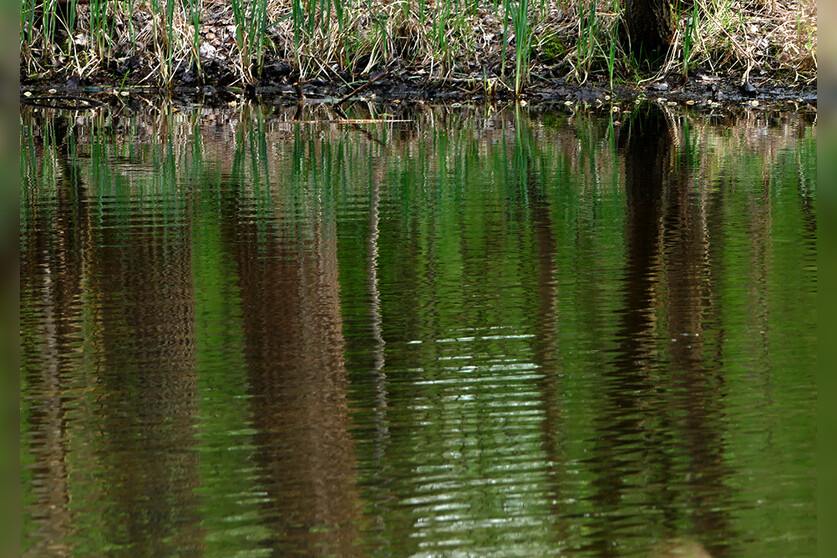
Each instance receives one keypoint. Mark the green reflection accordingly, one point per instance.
(478, 332)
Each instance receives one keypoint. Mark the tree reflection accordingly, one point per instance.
(141, 280)
(294, 350)
(53, 239)
(660, 399)
(126, 269)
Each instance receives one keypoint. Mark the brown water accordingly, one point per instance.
(477, 333)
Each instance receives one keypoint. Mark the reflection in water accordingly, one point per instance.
(629, 436)
(119, 296)
(58, 237)
(141, 287)
(660, 432)
(294, 351)
(474, 333)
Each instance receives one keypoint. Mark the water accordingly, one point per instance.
(477, 333)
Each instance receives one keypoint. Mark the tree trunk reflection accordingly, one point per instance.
(660, 400)
(294, 349)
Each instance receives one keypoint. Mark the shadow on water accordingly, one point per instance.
(474, 332)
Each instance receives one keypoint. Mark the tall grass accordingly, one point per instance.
(250, 36)
(195, 8)
(598, 41)
(518, 10)
(471, 37)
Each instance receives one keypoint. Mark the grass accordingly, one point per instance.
(502, 42)
(519, 12)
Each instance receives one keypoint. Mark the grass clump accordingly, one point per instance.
(502, 42)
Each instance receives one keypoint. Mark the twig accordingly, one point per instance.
(361, 88)
(62, 101)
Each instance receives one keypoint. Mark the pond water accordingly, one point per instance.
(473, 333)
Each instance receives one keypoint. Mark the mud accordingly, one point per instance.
(398, 84)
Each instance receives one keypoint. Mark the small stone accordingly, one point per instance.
(207, 50)
(53, 91)
(27, 93)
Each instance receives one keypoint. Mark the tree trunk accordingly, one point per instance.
(651, 25)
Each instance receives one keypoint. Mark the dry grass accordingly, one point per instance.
(441, 38)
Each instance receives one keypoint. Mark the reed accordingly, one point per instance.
(518, 10)
(688, 38)
(483, 39)
(195, 9)
(250, 36)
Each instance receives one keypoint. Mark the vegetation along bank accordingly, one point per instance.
(706, 51)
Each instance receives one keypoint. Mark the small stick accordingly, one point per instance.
(299, 93)
(61, 102)
(361, 88)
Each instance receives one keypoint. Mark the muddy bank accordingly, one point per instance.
(387, 51)
(400, 83)
(702, 91)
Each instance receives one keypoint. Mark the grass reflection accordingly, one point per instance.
(483, 331)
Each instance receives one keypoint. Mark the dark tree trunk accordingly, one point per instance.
(651, 25)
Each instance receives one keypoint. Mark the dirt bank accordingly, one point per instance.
(205, 52)
(702, 91)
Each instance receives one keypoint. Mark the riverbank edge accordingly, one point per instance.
(701, 92)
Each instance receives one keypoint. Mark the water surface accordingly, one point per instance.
(485, 333)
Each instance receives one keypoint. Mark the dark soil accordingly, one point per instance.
(400, 84)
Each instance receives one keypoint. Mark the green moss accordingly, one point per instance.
(550, 49)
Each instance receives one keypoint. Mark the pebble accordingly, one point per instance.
(53, 91)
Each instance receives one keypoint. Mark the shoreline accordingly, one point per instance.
(725, 52)
(702, 92)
